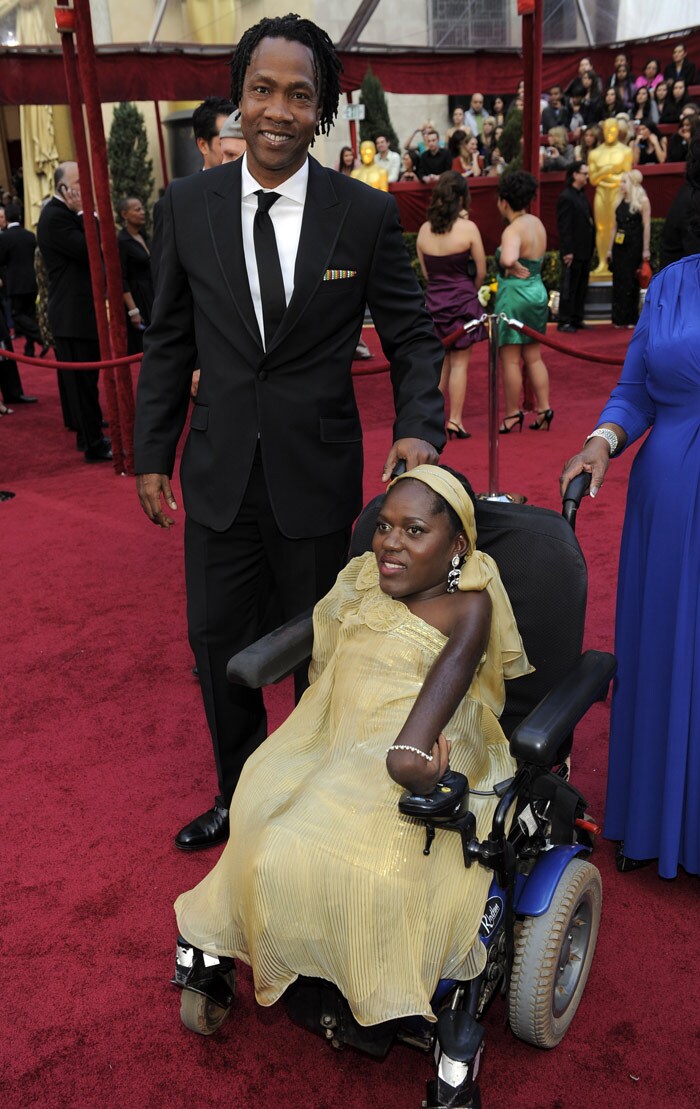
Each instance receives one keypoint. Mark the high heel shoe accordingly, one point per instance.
(517, 420)
(455, 430)
(5, 411)
(547, 415)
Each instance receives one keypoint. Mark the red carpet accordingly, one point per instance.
(106, 755)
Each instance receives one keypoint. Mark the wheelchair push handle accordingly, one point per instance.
(576, 490)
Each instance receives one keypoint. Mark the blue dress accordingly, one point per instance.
(653, 799)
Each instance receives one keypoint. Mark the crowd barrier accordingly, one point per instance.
(489, 320)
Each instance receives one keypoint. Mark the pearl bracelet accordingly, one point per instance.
(607, 434)
(407, 747)
(133, 312)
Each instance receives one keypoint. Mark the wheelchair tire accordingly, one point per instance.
(202, 1015)
(553, 955)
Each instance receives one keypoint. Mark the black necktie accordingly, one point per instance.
(274, 303)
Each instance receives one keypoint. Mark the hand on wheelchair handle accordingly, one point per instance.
(409, 453)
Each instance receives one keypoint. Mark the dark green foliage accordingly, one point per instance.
(376, 121)
(511, 140)
(130, 170)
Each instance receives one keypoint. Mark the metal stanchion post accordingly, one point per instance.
(493, 493)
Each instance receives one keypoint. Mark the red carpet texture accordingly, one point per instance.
(106, 755)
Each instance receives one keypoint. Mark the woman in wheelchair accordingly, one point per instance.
(322, 877)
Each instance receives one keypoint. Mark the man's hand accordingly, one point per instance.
(567, 259)
(149, 488)
(594, 459)
(194, 386)
(414, 452)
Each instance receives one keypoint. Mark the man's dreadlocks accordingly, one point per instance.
(326, 63)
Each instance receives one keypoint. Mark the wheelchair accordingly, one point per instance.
(541, 917)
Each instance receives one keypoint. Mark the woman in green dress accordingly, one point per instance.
(521, 296)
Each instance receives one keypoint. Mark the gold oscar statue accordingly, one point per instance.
(606, 164)
(369, 171)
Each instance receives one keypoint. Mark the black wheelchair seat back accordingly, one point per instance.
(544, 572)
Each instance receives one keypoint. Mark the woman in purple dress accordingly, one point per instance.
(653, 798)
(452, 258)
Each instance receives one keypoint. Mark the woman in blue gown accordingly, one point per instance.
(653, 798)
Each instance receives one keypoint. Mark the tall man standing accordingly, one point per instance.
(61, 237)
(576, 242)
(266, 266)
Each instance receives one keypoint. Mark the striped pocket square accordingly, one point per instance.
(338, 275)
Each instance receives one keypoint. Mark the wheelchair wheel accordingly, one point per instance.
(553, 955)
(202, 1015)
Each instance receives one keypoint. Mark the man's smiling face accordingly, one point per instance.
(279, 109)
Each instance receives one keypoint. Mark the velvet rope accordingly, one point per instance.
(49, 364)
(105, 363)
(452, 338)
(563, 348)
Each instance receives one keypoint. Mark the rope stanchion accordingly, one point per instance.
(51, 365)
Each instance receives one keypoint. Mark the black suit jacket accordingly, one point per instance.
(63, 246)
(686, 74)
(17, 247)
(297, 397)
(575, 224)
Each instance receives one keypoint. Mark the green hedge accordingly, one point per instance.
(551, 267)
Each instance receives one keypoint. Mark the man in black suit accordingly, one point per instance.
(71, 309)
(17, 248)
(576, 243)
(433, 161)
(272, 469)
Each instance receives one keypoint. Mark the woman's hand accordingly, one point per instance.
(593, 459)
(136, 320)
(414, 772)
(518, 270)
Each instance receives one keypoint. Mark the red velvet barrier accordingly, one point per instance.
(661, 183)
(33, 77)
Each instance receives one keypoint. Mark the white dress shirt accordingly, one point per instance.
(286, 215)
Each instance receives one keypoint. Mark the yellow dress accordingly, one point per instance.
(322, 876)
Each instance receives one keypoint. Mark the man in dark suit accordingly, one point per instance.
(272, 469)
(17, 248)
(63, 246)
(576, 243)
(11, 388)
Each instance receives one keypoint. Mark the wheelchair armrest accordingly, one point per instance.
(539, 737)
(275, 656)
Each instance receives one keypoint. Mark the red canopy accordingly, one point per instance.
(36, 76)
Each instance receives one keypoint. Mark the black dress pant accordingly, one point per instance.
(24, 317)
(78, 389)
(231, 577)
(572, 295)
(10, 381)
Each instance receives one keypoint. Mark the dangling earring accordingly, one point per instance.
(453, 574)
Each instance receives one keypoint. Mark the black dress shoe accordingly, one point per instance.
(585, 326)
(104, 442)
(206, 831)
(101, 452)
(23, 399)
(624, 864)
(568, 327)
(44, 351)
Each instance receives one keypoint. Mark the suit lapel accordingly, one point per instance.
(223, 200)
(321, 224)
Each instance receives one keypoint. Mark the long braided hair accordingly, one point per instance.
(326, 63)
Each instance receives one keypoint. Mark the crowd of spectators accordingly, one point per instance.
(644, 105)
